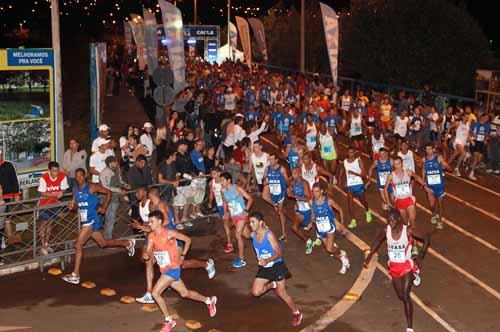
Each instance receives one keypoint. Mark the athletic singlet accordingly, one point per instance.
(399, 251)
(384, 168)
(144, 211)
(324, 217)
(88, 203)
(264, 249)
(311, 136)
(259, 165)
(377, 144)
(401, 126)
(408, 161)
(327, 147)
(165, 250)
(217, 190)
(293, 158)
(447, 122)
(298, 190)
(353, 180)
(462, 133)
(433, 172)
(401, 186)
(276, 180)
(345, 103)
(235, 203)
(355, 128)
(310, 175)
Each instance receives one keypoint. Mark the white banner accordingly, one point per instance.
(233, 35)
(245, 39)
(151, 40)
(137, 26)
(260, 36)
(172, 22)
(331, 26)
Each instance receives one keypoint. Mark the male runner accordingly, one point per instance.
(354, 173)
(275, 179)
(433, 173)
(384, 168)
(162, 244)
(236, 210)
(403, 268)
(86, 199)
(259, 161)
(323, 216)
(328, 150)
(272, 273)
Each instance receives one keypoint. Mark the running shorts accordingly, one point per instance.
(357, 190)
(173, 273)
(307, 217)
(404, 203)
(95, 223)
(397, 270)
(438, 190)
(220, 211)
(277, 199)
(277, 272)
(357, 137)
(48, 214)
(478, 147)
(240, 218)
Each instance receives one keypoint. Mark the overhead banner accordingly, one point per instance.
(28, 111)
(172, 22)
(151, 40)
(137, 26)
(128, 36)
(331, 26)
(245, 38)
(260, 36)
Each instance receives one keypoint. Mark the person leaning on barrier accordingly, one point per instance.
(111, 179)
(140, 174)
(74, 158)
(9, 192)
(167, 175)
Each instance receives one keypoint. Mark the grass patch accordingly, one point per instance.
(14, 110)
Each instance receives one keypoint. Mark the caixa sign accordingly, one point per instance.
(203, 31)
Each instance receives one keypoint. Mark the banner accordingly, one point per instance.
(245, 38)
(137, 26)
(260, 36)
(172, 22)
(128, 36)
(233, 35)
(151, 40)
(331, 26)
(97, 71)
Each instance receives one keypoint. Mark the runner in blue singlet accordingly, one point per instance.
(275, 179)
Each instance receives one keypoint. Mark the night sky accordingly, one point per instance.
(94, 15)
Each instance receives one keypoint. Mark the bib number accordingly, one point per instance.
(383, 177)
(323, 225)
(275, 188)
(403, 190)
(235, 209)
(162, 258)
(434, 179)
(303, 206)
(353, 180)
(327, 149)
(83, 216)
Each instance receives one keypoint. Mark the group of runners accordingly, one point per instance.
(301, 166)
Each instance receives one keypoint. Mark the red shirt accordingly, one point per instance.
(49, 185)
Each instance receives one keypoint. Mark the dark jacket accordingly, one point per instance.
(139, 177)
(8, 180)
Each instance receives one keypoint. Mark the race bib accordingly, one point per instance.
(403, 190)
(275, 188)
(311, 139)
(434, 179)
(218, 198)
(353, 180)
(396, 256)
(235, 209)
(480, 138)
(371, 119)
(327, 149)
(303, 206)
(162, 258)
(83, 216)
(383, 177)
(323, 225)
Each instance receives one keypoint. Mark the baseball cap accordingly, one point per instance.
(229, 89)
(123, 141)
(147, 125)
(102, 141)
(104, 127)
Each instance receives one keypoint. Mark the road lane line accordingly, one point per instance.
(13, 328)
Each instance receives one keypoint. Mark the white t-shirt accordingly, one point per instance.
(147, 141)
(401, 127)
(230, 101)
(259, 165)
(98, 161)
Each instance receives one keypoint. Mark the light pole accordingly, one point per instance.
(302, 35)
(195, 12)
(56, 45)
(229, 29)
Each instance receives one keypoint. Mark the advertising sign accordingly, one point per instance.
(27, 111)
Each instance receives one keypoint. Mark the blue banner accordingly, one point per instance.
(31, 57)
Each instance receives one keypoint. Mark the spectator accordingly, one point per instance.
(111, 179)
(197, 156)
(73, 159)
(167, 175)
(494, 145)
(98, 159)
(230, 100)
(183, 162)
(146, 139)
(210, 161)
(136, 149)
(103, 133)
(235, 133)
(139, 175)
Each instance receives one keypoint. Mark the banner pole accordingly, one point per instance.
(56, 45)
(228, 29)
(302, 36)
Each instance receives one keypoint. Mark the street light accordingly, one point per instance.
(56, 45)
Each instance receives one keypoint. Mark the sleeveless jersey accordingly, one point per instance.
(353, 180)
(401, 185)
(355, 129)
(399, 251)
(377, 144)
(310, 175)
(462, 134)
(384, 168)
(311, 136)
(298, 190)
(408, 161)
(217, 190)
(264, 249)
(165, 250)
(235, 203)
(88, 203)
(144, 211)
(433, 172)
(345, 103)
(293, 158)
(327, 147)
(276, 180)
(323, 216)
(259, 165)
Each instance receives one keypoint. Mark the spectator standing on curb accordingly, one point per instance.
(98, 159)
(103, 134)
(74, 158)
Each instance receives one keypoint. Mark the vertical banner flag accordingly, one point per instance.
(260, 36)
(137, 26)
(331, 26)
(245, 38)
(233, 35)
(128, 36)
(151, 40)
(172, 22)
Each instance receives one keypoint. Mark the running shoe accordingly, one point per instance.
(409, 330)
(434, 220)
(345, 262)
(297, 319)
(417, 280)
(496, 171)
(385, 207)
(199, 214)
(472, 177)
(456, 172)
(210, 268)
(188, 224)
(145, 299)
(309, 246)
(239, 263)
(369, 217)
(131, 248)
(282, 238)
(71, 278)
(228, 248)
(353, 224)
(179, 227)
(317, 242)
(489, 170)
(439, 225)
(212, 309)
(168, 326)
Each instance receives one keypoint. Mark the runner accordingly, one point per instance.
(328, 151)
(407, 156)
(386, 116)
(433, 173)
(403, 268)
(384, 168)
(462, 138)
(480, 137)
(236, 209)
(378, 142)
(162, 244)
(291, 152)
(86, 199)
(356, 128)
(354, 173)
(311, 133)
(401, 128)
(272, 272)
(260, 161)
(275, 179)
(323, 216)
(299, 189)
(311, 170)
